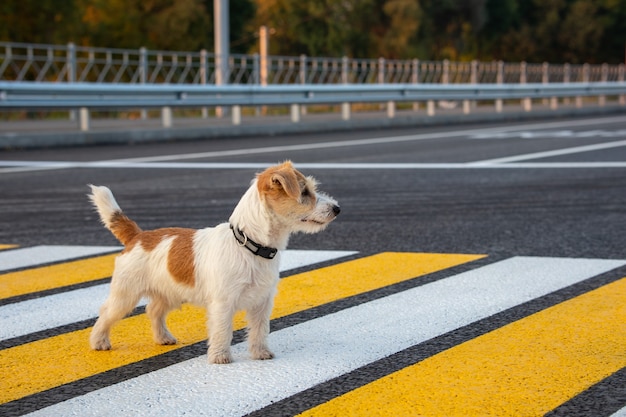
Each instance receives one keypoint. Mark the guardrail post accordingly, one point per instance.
(166, 117)
(544, 80)
(303, 75)
(256, 64)
(430, 107)
(204, 75)
(467, 104)
(445, 79)
(295, 113)
(620, 77)
(579, 100)
(381, 80)
(526, 102)
(415, 79)
(236, 116)
(499, 80)
(143, 74)
(345, 107)
(604, 78)
(84, 119)
(567, 73)
(70, 62)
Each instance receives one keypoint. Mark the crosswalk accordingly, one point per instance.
(388, 333)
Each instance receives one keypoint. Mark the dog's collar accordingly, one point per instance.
(252, 246)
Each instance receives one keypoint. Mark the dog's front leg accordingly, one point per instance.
(220, 332)
(258, 329)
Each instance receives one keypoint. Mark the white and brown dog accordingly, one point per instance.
(230, 267)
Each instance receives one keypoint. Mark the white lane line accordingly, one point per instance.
(77, 305)
(370, 141)
(353, 166)
(321, 349)
(22, 166)
(39, 255)
(556, 152)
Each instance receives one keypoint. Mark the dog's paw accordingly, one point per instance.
(262, 354)
(100, 343)
(167, 339)
(220, 358)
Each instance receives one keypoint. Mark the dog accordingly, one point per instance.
(230, 267)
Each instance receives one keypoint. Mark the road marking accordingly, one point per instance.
(82, 304)
(59, 360)
(514, 370)
(39, 255)
(15, 284)
(24, 166)
(557, 152)
(366, 166)
(551, 134)
(323, 348)
(3, 247)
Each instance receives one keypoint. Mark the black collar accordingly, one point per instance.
(252, 246)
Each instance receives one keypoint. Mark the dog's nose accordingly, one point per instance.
(336, 210)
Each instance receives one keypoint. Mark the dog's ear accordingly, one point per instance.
(280, 177)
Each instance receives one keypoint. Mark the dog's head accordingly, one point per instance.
(294, 198)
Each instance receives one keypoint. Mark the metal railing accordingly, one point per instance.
(71, 63)
(36, 76)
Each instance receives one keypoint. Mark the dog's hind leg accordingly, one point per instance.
(116, 307)
(258, 329)
(157, 311)
(220, 332)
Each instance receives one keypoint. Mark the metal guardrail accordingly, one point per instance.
(35, 76)
(17, 95)
(90, 96)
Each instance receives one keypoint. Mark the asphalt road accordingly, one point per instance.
(502, 246)
(542, 209)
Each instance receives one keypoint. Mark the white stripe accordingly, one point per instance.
(371, 141)
(557, 152)
(318, 350)
(354, 166)
(38, 255)
(77, 305)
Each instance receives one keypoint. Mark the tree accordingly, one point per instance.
(160, 24)
(38, 21)
(357, 28)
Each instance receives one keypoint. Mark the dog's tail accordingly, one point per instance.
(123, 228)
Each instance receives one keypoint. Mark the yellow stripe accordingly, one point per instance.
(54, 276)
(2, 247)
(48, 363)
(526, 368)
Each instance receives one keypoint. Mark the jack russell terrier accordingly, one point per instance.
(230, 267)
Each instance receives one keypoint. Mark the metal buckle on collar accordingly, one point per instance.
(259, 250)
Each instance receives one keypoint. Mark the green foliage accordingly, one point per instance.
(572, 31)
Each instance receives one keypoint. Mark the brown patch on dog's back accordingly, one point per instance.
(180, 259)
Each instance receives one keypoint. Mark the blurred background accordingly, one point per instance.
(556, 31)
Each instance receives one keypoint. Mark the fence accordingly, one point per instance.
(22, 63)
(71, 63)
